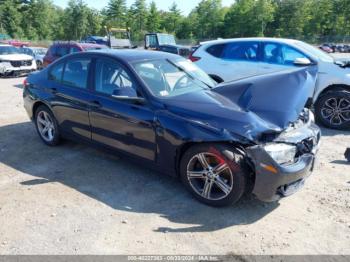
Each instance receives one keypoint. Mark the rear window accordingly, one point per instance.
(76, 72)
(56, 71)
(216, 50)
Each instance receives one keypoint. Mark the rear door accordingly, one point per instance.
(234, 60)
(119, 124)
(69, 83)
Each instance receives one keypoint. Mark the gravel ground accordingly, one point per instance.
(74, 199)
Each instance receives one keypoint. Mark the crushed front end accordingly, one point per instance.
(282, 162)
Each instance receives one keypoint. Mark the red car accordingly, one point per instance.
(17, 43)
(59, 49)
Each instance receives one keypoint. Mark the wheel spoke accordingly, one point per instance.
(330, 105)
(207, 189)
(339, 122)
(220, 168)
(42, 121)
(327, 113)
(195, 174)
(45, 130)
(50, 133)
(344, 101)
(223, 186)
(345, 115)
(202, 159)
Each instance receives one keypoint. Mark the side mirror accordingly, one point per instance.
(302, 62)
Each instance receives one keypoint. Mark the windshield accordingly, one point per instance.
(315, 52)
(166, 39)
(166, 78)
(8, 50)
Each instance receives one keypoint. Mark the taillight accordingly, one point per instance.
(25, 83)
(194, 58)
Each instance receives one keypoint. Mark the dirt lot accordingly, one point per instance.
(76, 200)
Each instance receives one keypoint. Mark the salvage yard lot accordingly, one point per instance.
(74, 199)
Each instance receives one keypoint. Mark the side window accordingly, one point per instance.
(273, 54)
(216, 50)
(76, 72)
(246, 51)
(151, 41)
(55, 74)
(290, 54)
(112, 79)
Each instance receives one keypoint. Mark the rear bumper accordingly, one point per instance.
(281, 180)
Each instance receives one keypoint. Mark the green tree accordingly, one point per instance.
(173, 18)
(153, 18)
(116, 13)
(11, 18)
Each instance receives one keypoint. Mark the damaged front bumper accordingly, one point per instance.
(273, 180)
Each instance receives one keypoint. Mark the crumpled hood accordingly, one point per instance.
(249, 107)
(15, 57)
(278, 98)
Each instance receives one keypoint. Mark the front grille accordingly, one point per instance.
(21, 63)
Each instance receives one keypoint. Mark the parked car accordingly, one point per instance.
(165, 112)
(165, 43)
(326, 48)
(100, 40)
(37, 53)
(60, 49)
(231, 59)
(18, 43)
(13, 63)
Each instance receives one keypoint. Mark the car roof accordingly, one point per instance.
(83, 45)
(258, 39)
(135, 55)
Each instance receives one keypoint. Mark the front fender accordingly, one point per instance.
(173, 132)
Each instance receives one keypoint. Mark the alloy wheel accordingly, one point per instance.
(46, 126)
(336, 110)
(210, 176)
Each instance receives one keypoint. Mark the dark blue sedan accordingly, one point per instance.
(222, 140)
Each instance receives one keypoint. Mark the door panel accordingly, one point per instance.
(240, 60)
(124, 127)
(71, 98)
(119, 124)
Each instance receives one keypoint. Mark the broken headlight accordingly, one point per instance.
(282, 153)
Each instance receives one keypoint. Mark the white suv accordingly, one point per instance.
(232, 59)
(13, 63)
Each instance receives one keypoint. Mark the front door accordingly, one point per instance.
(120, 124)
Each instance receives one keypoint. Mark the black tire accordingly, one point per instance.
(236, 168)
(55, 140)
(322, 109)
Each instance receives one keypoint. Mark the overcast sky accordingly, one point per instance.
(185, 5)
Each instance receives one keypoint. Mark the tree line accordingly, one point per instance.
(302, 19)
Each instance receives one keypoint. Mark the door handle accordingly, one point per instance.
(95, 104)
(53, 90)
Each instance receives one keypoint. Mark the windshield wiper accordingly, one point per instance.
(188, 74)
